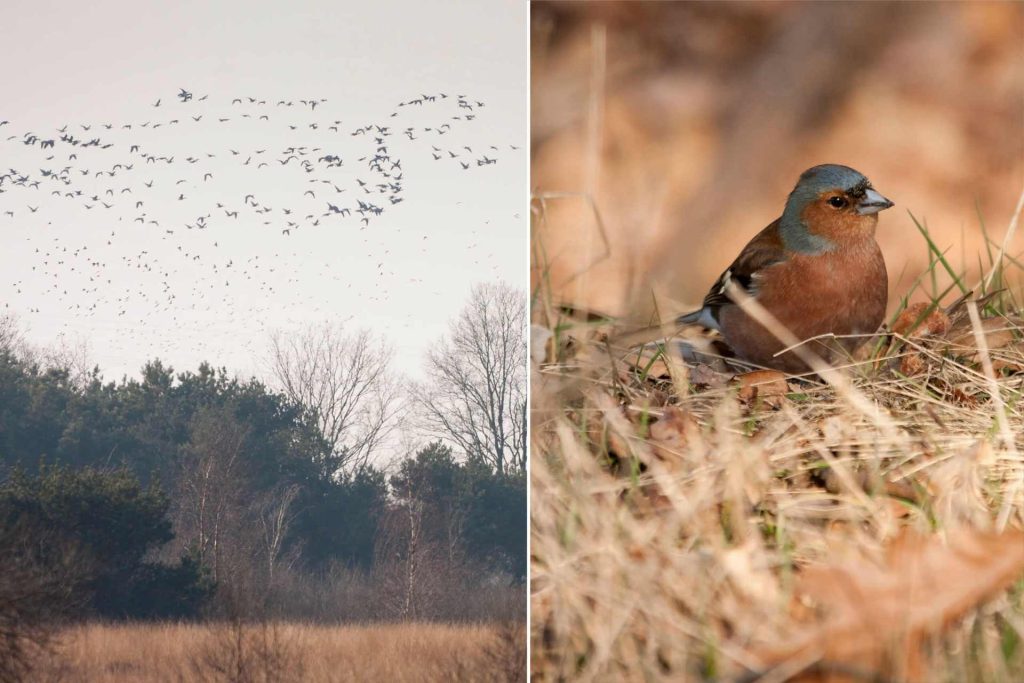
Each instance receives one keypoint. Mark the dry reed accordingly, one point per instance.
(151, 653)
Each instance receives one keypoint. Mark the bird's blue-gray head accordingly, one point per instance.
(842, 189)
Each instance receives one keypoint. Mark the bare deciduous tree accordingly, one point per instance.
(72, 355)
(13, 341)
(345, 380)
(10, 335)
(212, 486)
(475, 393)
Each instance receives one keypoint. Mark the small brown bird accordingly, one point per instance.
(817, 269)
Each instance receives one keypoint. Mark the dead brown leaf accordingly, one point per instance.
(998, 334)
(956, 394)
(913, 320)
(912, 364)
(896, 508)
(671, 433)
(658, 370)
(1011, 361)
(705, 375)
(875, 618)
(766, 386)
(963, 398)
(953, 333)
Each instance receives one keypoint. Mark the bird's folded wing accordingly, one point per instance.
(766, 249)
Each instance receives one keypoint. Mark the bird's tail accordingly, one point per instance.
(691, 318)
(702, 316)
(650, 333)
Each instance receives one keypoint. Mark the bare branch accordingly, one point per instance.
(345, 380)
(475, 394)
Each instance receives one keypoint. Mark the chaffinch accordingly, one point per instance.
(817, 269)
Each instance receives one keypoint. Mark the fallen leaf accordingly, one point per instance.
(912, 364)
(670, 434)
(647, 363)
(998, 333)
(767, 386)
(704, 375)
(876, 619)
(963, 398)
(913, 320)
(658, 370)
(1011, 359)
(896, 507)
(747, 569)
(956, 485)
(955, 393)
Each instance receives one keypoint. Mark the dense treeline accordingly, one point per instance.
(93, 531)
(196, 493)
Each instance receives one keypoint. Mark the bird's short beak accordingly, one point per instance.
(873, 202)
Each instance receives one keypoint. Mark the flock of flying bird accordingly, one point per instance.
(171, 188)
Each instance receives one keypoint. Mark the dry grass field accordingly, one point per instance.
(152, 653)
(694, 521)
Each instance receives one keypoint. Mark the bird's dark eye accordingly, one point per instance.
(837, 202)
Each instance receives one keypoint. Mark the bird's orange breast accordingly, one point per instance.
(841, 293)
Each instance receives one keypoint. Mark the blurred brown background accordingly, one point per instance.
(689, 123)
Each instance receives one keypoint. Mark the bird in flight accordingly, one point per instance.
(102, 167)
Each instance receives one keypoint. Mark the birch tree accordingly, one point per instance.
(212, 485)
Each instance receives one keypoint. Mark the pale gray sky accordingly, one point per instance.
(212, 291)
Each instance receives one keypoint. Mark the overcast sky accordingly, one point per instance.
(157, 266)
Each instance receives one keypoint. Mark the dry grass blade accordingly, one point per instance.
(1011, 230)
(1010, 497)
